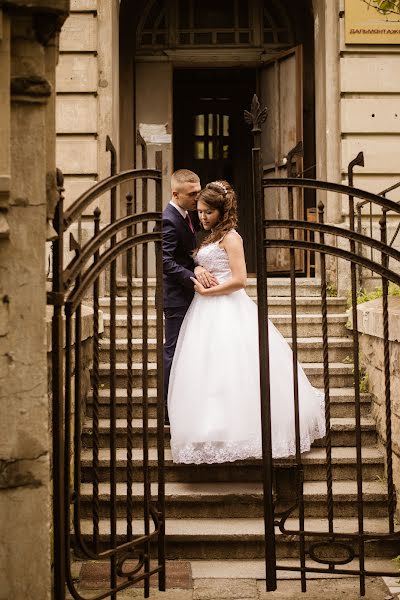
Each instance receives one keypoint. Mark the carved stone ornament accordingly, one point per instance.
(47, 26)
(48, 15)
(257, 115)
(30, 88)
(59, 7)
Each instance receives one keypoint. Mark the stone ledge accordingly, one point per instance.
(52, 6)
(87, 324)
(370, 318)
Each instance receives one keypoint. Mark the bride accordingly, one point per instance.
(214, 390)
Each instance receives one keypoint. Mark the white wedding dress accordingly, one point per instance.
(214, 393)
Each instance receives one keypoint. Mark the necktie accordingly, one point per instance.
(189, 222)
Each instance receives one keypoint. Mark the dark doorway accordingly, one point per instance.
(212, 138)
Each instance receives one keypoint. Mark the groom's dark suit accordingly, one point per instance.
(178, 244)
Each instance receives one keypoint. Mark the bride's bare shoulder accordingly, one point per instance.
(233, 235)
(232, 239)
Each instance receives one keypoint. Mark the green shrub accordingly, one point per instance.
(364, 383)
(364, 296)
(331, 289)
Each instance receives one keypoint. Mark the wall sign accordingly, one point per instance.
(372, 21)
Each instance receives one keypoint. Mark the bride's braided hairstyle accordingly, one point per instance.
(220, 195)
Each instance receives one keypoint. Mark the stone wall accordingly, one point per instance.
(369, 121)
(86, 351)
(28, 192)
(370, 326)
(86, 364)
(87, 96)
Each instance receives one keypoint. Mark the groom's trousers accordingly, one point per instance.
(173, 320)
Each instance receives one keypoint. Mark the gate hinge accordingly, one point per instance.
(55, 298)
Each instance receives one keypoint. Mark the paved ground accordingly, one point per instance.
(237, 580)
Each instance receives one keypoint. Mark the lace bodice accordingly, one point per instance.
(215, 259)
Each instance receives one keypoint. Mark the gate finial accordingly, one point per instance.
(257, 115)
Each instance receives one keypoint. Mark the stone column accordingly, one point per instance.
(25, 441)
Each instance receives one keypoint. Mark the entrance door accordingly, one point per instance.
(281, 91)
(212, 138)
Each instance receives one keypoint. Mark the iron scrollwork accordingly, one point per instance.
(92, 267)
(328, 546)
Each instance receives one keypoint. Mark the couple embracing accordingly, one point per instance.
(211, 358)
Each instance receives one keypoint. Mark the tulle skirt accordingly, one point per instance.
(214, 389)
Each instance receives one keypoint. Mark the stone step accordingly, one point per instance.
(308, 325)
(309, 349)
(342, 433)
(137, 326)
(342, 403)
(239, 500)
(121, 305)
(232, 570)
(340, 374)
(276, 304)
(243, 538)
(277, 286)
(343, 462)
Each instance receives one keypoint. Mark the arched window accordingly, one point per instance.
(153, 30)
(214, 23)
(211, 23)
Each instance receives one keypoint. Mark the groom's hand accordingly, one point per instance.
(198, 287)
(204, 277)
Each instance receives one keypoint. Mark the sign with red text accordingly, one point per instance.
(372, 21)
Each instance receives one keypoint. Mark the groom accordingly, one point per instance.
(179, 241)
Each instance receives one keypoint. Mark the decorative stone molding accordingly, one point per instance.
(30, 88)
(47, 26)
(48, 15)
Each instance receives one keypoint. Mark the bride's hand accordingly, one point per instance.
(204, 277)
(198, 287)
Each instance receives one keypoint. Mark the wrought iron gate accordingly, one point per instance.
(92, 270)
(329, 549)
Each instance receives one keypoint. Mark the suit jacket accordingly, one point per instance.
(178, 265)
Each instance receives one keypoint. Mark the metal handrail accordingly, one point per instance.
(383, 193)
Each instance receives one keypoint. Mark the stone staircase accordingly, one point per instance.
(216, 511)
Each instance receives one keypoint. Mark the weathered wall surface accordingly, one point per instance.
(28, 51)
(370, 326)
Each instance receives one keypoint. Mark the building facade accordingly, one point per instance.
(182, 73)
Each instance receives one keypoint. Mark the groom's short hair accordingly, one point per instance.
(182, 176)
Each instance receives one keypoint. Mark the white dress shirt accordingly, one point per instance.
(179, 209)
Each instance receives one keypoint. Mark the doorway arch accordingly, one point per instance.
(164, 43)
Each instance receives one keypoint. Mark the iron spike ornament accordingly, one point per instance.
(74, 246)
(257, 115)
